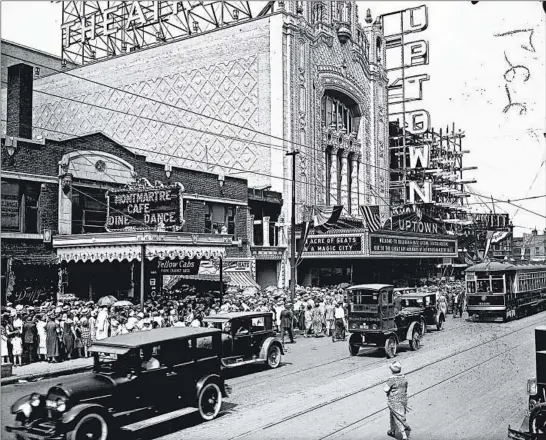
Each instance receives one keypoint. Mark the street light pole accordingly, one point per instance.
(293, 153)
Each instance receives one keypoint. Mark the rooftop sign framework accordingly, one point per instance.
(92, 30)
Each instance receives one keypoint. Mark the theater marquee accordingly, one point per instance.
(395, 245)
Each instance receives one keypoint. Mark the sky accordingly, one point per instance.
(476, 60)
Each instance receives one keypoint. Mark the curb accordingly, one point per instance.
(30, 377)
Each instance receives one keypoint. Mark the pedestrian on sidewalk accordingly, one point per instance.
(308, 320)
(52, 339)
(287, 318)
(396, 389)
(69, 337)
(329, 316)
(317, 320)
(4, 345)
(42, 338)
(17, 344)
(86, 336)
(30, 339)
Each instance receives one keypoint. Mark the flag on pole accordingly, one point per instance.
(371, 217)
(488, 243)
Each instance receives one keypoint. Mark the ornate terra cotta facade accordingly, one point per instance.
(254, 90)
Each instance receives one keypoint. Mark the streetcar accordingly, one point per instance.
(504, 291)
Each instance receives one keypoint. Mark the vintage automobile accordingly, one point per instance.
(139, 380)
(534, 422)
(425, 303)
(247, 338)
(405, 290)
(373, 320)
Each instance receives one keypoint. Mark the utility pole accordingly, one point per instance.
(293, 153)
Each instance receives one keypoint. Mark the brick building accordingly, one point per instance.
(307, 75)
(530, 247)
(54, 211)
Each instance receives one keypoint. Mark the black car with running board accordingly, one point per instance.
(247, 338)
(374, 320)
(139, 380)
(425, 304)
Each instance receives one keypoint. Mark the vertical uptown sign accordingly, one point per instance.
(403, 88)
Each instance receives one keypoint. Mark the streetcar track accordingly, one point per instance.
(345, 429)
(251, 383)
(358, 391)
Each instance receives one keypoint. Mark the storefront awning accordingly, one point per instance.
(242, 279)
(130, 252)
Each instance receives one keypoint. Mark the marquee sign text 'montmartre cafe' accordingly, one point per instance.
(144, 208)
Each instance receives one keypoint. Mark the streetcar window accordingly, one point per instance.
(483, 286)
(471, 286)
(498, 286)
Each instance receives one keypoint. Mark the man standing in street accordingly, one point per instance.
(396, 389)
(30, 337)
(329, 316)
(287, 319)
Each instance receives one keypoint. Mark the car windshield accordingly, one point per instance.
(412, 302)
(111, 362)
(363, 296)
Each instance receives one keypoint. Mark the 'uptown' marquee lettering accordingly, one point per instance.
(333, 244)
(421, 227)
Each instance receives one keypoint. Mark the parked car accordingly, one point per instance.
(373, 320)
(533, 426)
(247, 338)
(425, 303)
(151, 376)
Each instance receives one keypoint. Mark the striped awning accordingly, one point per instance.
(242, 279)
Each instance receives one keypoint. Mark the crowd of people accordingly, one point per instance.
(58, 331)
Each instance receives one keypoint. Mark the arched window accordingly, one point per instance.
(339, 112)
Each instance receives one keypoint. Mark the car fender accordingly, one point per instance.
(538, 409)
(83, 408)
(15, 407)
(267, 343)
(211, 378)
(409, 334)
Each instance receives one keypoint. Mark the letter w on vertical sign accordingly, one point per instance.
(419, 154)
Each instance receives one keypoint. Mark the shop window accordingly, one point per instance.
(88, 210)
(20, 204)
(219, 219)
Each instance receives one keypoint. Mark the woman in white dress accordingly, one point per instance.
(42, 348)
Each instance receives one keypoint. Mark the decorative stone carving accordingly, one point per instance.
(344, 192)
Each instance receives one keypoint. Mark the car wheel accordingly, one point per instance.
(354, 344)
(440, 324)
(390, 347)
(415, 342)
(274, 356)
(423, 326)
(210, 401)
(91, 426)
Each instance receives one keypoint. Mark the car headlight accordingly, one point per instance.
(61, 405)
(35, 399)
(374, 327)
(26, 409)
(354, 326)
(532, 387)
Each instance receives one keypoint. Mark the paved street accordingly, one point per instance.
(467, 382)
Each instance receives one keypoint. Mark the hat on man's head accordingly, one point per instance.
(395, 367)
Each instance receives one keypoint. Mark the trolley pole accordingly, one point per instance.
(293, 153)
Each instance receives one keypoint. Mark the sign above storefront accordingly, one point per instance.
(336, 245)
(415, 221)
(144, 208)
(399, 246)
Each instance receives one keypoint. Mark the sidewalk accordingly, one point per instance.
(42, 370)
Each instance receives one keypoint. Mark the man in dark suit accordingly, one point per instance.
(30, 340)
(287, 318)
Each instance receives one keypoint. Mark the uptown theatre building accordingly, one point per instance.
(231, 97)
(407, 248)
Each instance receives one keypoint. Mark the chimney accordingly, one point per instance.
(19, 108)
